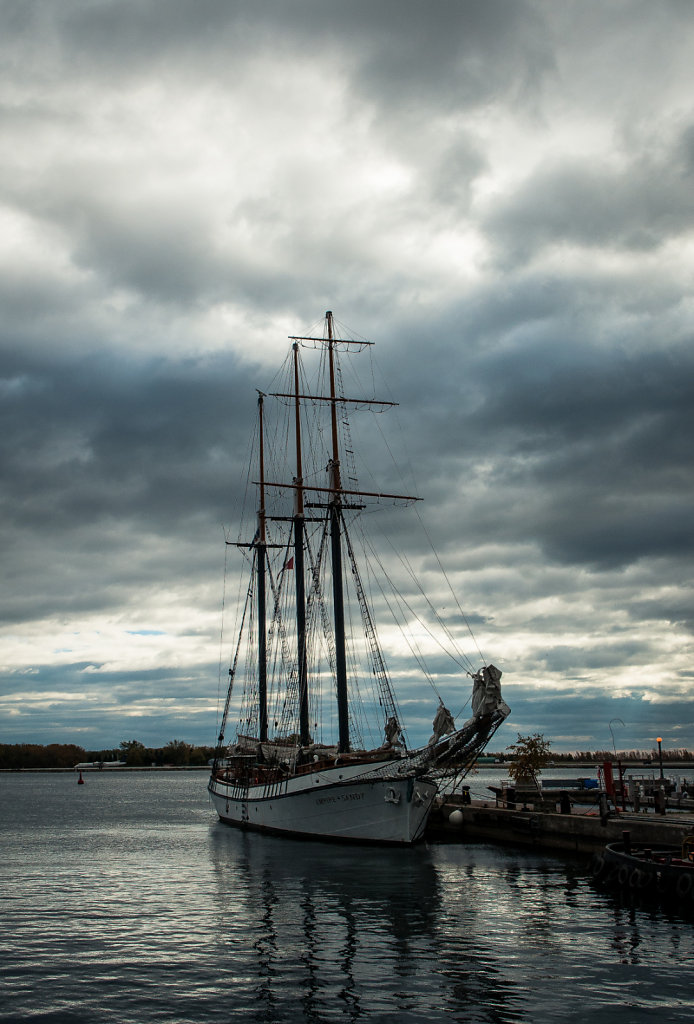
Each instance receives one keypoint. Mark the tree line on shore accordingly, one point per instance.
(674, 755)
(132, 752)
(179, 753)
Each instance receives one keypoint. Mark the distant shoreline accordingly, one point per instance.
(109, 771)
(633, 767)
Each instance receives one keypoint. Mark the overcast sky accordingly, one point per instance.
(499, 194)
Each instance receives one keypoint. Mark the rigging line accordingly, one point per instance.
(283, 371)
(409, 639)
(464, 662)
(248, 709)
(461, 660)
(309, 332)
(251, 447)
(316, 595)
(362, 679)
(221, 630)
(370, 681)
(232, 670)
(468, 665)
(450, 587)
(238, 629)
(347, 443)
(342, 330)
(404, 561)
(405, 462)
(355, 706)
(377, 659)
(314, 464)
(398, 617)
(282, 649)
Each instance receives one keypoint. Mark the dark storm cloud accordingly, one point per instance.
(99, 438)
(498, 194)
(400, 51)
(638, 202)
(594, 436)
(407, 58)
(603, 445)
(677, 609)
(113, 472)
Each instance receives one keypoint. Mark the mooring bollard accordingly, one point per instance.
(604, 809)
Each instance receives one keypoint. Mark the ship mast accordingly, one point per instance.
(335, 511)
(304, 734)
(261, 558)
(335, 506)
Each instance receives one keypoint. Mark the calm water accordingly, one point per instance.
(124, 900)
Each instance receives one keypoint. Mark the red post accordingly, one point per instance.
(609, 781)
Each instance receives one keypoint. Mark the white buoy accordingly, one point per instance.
(455, 818)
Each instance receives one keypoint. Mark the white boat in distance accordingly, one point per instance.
(320, 747)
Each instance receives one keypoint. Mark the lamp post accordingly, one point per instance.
(659, 741)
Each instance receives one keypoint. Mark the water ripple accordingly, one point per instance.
(130, 903)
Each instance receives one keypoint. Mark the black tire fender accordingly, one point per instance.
(597, 866)
(684, 885)
(636, 879)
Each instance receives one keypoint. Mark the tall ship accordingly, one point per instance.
(319, 747)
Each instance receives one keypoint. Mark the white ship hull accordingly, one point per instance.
(338, 803)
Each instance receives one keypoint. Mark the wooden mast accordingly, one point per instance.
(261, 557)
(336, 554)
(304, 732)
(335, 507)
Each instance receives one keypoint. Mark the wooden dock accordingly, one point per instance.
(543, 829)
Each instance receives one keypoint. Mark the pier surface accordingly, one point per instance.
(542, 829)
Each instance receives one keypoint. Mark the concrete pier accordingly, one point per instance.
(541, 829)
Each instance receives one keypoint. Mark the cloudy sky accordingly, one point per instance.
(499, 194)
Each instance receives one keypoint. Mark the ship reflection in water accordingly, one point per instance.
(472, 933)
(356, 931)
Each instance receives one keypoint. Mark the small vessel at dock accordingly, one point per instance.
(663, 870)
(320, 747)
